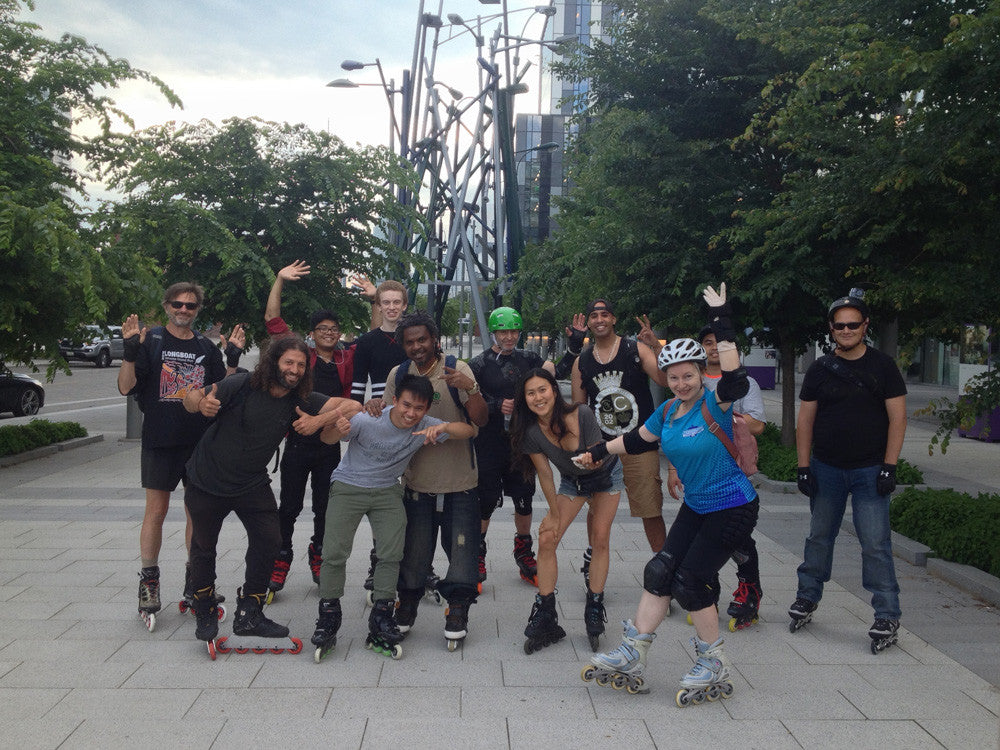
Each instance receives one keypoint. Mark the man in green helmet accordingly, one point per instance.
(498, 370)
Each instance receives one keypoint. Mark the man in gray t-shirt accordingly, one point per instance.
(366, 483)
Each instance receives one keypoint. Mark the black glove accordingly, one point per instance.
(885, 483)
(131, 346)
(806, 482)
(233, 354)
(598, 451)
(575, 344)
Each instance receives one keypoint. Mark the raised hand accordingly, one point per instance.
(237, 337)
(646, 334)
(577, 333)
(210, 405)
(715, 298)
(132, 337)
(294, 271)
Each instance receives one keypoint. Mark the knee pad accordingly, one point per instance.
(522, 505)
(487, 505)
(658, 575)
(694, 593)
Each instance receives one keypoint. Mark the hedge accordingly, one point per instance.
(36, 434)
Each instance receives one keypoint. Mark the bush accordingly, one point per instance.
(36, 434)
(957, 526)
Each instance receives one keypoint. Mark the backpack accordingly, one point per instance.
(449, 361)
(743, 446)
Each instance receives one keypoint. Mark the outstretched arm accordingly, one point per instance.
(133, 336)
(292, 272)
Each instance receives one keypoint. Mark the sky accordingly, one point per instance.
(272, 60)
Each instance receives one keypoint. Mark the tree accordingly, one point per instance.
(51, 275)
(226, 204)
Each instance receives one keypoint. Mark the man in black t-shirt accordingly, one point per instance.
(852, 416)
(159, 367)
(379, 350)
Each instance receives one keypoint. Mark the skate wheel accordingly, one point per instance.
(296, 647)
(479, 587)
(634, 688)
(211, 650)
(587, 674)
(221, 647)
(370, 598)
(264, 650)
(149, 620)
(452, 644)
(222, 612)
(397, 652)
(712, 693)
(726, 689)
(619, 681)
(182, 607)
(732, 625)
(683, 698)
(793, 626)
(603, 679)
(318, 655)
(528, 648)
(270, 597)
(689, 620)
(242, 650)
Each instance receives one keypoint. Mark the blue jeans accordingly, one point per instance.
(459, 521)
(871, 522)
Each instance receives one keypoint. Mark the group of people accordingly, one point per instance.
(439, 442)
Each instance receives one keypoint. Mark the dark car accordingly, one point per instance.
(20, 394)
(95, 344)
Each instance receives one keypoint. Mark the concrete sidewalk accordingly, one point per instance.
(79, 669)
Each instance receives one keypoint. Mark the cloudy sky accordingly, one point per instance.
(271, 59)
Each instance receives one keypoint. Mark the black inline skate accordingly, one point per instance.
(279, 573)
(253, 631)
(149, 596)
(456, 621)
(543, 625)
(527, 566)
(370, 578)
(431, 591)
(406, 608)
(801, 612)
(383, 633)
(186, 604)
(327, 625)
(206, 615)
(586, 568)
(744, 607)
(594, 618)
(315, 560)
(883, 634)
(482, 562)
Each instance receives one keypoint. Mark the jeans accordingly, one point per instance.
(871, 522)
(457, 516)
(300, 461)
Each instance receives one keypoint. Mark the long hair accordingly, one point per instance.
(523, 417)
(267, 374)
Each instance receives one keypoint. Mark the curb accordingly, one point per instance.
(48, 450)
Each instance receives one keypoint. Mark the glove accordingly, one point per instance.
(233, 354)
(720, 313)
(598, 451)
(575, 344)
(806, 482)
(131, 346)
(885, 483)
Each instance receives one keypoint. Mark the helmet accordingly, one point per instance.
(504, 319)
(854, 299)
(681, 350)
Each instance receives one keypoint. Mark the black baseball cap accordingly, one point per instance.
(599, 304)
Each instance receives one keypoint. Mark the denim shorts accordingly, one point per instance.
(586, 485)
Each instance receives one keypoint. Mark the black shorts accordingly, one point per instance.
(163, 468)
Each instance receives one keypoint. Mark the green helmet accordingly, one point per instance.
(504, 319)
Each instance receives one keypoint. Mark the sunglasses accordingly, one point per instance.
(186, 305)
(852, 326)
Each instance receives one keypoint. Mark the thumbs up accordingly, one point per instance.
(209, 406)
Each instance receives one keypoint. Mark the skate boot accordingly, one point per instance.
(406, 608)
(543, 625)
(206, 615)
(431, 591)
(524, 557)
(315, 560)
(327, 625)
(801, 612)
(594, 618)
(149, 596)
(186, 604)
(482, 563)
(383, 633)
(708, 678)
(252, 630)
(883, 634)
(586, 568)
(456, 621)
(744, 606)
(282, 564)
(623, 667)
(370, 579)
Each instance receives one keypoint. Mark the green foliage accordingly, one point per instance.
(36, 434)
(957, 526)
(981, 398)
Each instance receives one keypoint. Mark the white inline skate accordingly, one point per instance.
(623, 667)
(708, 678)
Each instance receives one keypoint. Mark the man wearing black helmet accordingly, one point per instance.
(852, 418)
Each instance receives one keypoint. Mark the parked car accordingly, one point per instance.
(97, 344)
(20, 394)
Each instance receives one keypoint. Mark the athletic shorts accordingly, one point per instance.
(643, 485)
(162, 468)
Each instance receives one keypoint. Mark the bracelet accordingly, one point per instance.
(474, 389)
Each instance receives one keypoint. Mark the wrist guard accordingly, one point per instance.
(721, 321)
(233, 354)
(575, 344)
(598, 451)
(733, 385)
(565, 365)
(131, 346)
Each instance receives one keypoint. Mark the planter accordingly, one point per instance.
(986, 428)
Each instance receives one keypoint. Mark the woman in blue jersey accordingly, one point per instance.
(719, 510)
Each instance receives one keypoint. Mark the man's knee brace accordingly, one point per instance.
(694, 593)
(658, 576)
(487, 505)
(522, 505)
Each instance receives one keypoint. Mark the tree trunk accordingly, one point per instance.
(787, 394)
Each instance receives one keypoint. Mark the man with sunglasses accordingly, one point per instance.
(159, 367)
(852, 418)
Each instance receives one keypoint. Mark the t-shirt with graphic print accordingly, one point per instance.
(712, 479)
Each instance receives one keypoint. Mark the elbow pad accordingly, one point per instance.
(634, 444)
(733, 385)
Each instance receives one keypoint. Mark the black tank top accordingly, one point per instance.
(618, 392)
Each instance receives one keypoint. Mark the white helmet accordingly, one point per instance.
(681, 350)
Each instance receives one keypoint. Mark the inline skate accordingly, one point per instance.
(370, 578)
(205, 609)
(327, 625)
(315, 560)
(456, 621)
(253, 631)
(622, 667)
(482, 563)
(585, 569)
(708, 678)
(801, 612)
(527, 566)
(543, 625)
(149, 596)
(883, 634)
(279, 573)
(594, 618)
(383, 633)
(406, 608)
(431, 591)
(744, 607)
(186, 604)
